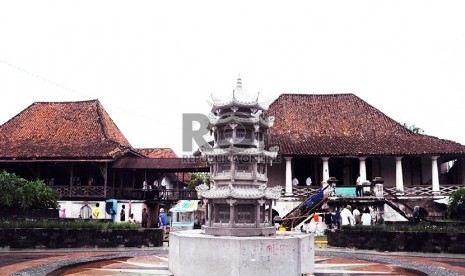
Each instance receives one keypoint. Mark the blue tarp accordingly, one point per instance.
(314, 199)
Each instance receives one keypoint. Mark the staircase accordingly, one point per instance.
(304, 210)
(393, 197)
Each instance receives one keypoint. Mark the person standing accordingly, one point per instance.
(295, 182)
(122, 214)
(145, 218)
(308, 181)
(162, 221)
(112, 214)
(346, 216)
(366, 217)
(356, 213)
(63, 213)
(131, 219)
(164, 183)
(416, 213)
(336, 218)
(144, 186)
(96, 211)
(358, 187)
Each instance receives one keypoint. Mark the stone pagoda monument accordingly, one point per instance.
(239, 196)
(238, 237)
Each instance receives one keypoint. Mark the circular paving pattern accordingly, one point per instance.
(154, 261)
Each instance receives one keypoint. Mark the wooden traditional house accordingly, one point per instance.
(77, 149)
(342, 136)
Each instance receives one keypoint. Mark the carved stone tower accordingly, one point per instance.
(238, 196)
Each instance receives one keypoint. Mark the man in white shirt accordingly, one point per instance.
(164, 183)
(295, 181)
(358, 187)
(308, 182)
(357, 215)
(346, 216)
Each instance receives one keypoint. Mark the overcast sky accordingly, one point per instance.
(148, 62)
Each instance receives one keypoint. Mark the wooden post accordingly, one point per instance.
(71, 175)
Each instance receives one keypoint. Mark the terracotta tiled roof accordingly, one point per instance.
(62, 130)
(167, 160)
(345, 125)
(157, 153)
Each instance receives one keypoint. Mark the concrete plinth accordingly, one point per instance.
(194, 253)
(239, 232)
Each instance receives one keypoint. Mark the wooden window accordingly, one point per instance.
(222, 213)
(242, 167)
(224, 167)
(245, 213)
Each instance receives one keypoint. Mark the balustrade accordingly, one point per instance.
(425, 190)
(87, 192)
(419, 190)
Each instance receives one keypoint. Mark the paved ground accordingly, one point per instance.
(154, 261)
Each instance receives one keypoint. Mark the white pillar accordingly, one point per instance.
(435, 174)
(363, 169)
(399, 175)
(288, 176)
(325, 168)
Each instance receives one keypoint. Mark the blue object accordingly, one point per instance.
(110, 208)
(314, 199)
(345, 191)
(163, 219)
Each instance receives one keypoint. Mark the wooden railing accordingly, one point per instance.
(419, 190)
(303, 192)
(83, 191)
(89, 192)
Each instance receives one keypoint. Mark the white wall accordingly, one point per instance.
(73, 209)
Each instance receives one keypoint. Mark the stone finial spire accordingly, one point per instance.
(239, 83)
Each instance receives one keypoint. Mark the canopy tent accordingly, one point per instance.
(185, 206)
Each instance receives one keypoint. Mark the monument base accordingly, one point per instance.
(239, 232)
(194, 253)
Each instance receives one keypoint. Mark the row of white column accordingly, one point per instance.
(363, 174)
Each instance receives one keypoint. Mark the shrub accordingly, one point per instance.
(17, 192)
(408, 227)
(199, 178)
(62, 224)
(456, 206)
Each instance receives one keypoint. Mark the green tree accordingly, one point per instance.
(414, 128)
(199, 178)
(456, 206)
(18, 192)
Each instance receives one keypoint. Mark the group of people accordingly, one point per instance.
(131, 220)
(347, 216)
(308, 181)
(160, 186)
(122, 215)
